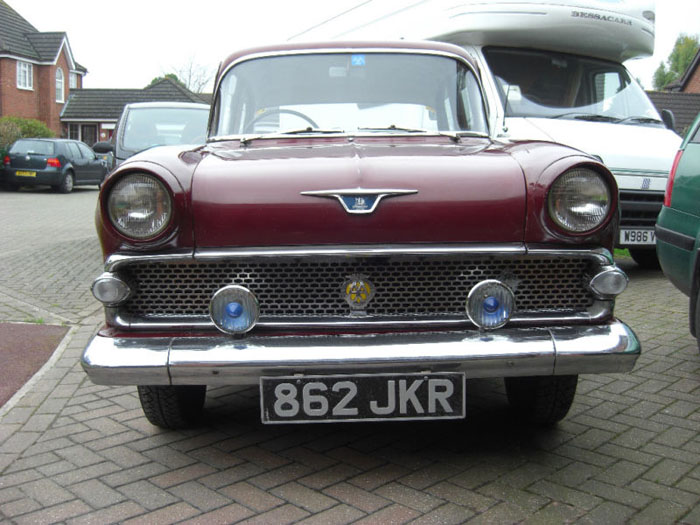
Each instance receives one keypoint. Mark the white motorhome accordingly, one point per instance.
(553, 70)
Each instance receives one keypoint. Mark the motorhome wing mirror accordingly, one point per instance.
(669, 119)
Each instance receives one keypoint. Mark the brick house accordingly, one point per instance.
(684, 106)
(690, 81)
(37, 70)
(682, 97)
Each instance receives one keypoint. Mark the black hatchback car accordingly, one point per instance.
(59, 163)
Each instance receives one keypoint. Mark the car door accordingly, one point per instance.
(94, 167)
(80, 171)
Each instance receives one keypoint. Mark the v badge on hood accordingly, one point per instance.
(359, 200)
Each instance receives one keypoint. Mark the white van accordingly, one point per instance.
(552, 70)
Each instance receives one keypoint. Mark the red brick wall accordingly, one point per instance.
(693, 84)
(17, 102)
(40, 103)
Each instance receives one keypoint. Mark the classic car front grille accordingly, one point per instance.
(310, 288)
(640, 208)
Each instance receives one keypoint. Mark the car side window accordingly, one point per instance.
(87, 152)
(73, 150)
(696, 136)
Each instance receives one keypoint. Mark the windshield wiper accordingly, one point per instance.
(308, 129)
(454, 136)
(642, 120)
(593, 117)
(295, 131)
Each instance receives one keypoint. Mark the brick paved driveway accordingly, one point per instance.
(74, 452)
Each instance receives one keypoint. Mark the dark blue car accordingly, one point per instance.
(59, 163)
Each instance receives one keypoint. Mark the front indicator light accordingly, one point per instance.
(609, 283)
(490, 304)
(110, 290)
(234, 309)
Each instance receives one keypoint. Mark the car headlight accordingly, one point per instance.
(139, 206)
(579, 200)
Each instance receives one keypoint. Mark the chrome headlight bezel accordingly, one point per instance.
(579, 201)
(139, 206)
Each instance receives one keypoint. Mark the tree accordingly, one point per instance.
(171, 76)
(684, 50)
(194, 76)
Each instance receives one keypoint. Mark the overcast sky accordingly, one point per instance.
(125, 44)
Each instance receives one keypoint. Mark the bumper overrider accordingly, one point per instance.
(610, 347)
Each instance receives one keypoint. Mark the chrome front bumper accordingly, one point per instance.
(611, 347)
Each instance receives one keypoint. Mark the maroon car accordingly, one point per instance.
(354, 239)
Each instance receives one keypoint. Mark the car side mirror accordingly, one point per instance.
(103, 147)
(669, 119)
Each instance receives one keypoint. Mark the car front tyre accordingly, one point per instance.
(542, 400)
(67, 183)
(172, 407)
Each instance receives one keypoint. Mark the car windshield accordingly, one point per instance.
(349, 93)
(148, 127)
(36, 147)
(556, 85)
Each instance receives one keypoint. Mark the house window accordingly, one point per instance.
(73, 80)
(25, 75)
(74, 131)
(59, 85)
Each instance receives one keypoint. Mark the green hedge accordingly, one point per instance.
(13, 128)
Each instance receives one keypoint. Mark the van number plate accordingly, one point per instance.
(363, 397)
(643, 237)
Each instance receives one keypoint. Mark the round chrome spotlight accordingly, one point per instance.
(609, 283)
(490, 304)
(234, 309)
(110, 290)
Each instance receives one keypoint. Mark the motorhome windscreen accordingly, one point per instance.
(349, 92)
(558, 85)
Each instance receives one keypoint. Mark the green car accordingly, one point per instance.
(678, 225)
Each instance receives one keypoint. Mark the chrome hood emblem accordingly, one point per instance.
(359, 200)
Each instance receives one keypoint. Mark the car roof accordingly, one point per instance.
(182, 105)
(348, 46)
(47, 139)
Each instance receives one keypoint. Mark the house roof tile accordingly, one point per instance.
(46, 45)
(107, 104)
(13, 31)
(21, 39)
(685, 106)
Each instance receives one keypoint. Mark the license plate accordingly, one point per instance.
(644, 237)
(25, 173)
(363, 397)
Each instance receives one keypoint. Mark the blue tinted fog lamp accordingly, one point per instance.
(490, 304)
(234, 309)
(110, 290)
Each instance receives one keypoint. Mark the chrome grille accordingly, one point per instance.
(419, 286)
